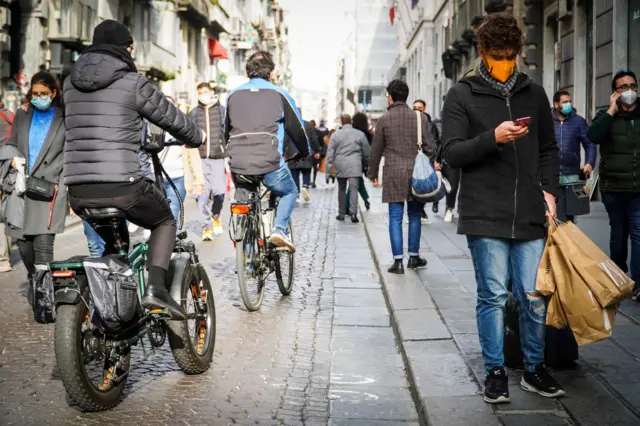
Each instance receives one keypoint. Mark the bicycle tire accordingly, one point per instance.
(70, 361)
(186, 355)
(285, 287)
(251, 304)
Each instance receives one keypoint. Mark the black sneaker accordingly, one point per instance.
(435, 208)
(340, 217)
(541, 382)
(496, 386)
(396, 268)
(354, 218)
(416, 262)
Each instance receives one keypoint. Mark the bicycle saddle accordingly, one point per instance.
(103, 213)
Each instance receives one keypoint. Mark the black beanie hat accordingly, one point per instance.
(112, 32)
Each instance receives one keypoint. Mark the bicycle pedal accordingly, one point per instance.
(160, 313)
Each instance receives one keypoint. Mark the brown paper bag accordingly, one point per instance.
(609, 284)
(587, 319)
(545, 282)
(555, 314)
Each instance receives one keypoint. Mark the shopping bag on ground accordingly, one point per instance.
(588, 320)
(608, 283)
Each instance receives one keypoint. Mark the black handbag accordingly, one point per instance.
(40, 189)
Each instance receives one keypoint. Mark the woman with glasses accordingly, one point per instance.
(617, 131)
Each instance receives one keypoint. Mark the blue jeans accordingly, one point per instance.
(396, 213)
(624, 219)
(95, 242)
(495, 260)
(306, 177)
(174, 203)
(281, 183)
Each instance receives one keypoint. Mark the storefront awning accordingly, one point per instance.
(217, 50)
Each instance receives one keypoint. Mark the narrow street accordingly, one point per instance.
(327, 352)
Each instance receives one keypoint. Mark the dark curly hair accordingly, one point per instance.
(260, 65)
(500, 32)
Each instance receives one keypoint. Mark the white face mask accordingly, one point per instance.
(629, 97)
(205, 98)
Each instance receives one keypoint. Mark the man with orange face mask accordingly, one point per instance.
(509, 171)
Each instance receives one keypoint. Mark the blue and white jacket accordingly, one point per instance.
(258, 115)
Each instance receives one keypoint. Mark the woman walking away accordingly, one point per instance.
(39, 136)
(361, 122)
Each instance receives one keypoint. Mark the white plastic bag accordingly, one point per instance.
(21, 179)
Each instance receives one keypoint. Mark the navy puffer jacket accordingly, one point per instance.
(570, 133)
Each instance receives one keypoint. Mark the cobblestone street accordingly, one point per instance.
(274, 366)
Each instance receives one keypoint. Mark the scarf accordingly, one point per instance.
(118, 52)
(504, 88)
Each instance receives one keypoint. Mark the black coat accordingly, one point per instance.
(501, 185)
(305, 163)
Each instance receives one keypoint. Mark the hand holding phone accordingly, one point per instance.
(523, 121)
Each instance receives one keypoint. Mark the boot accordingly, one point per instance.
(156, 296)
(416, 262)
(397, 267)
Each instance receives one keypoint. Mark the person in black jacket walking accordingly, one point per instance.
(106, 100)
(509, 171)
(209, 117)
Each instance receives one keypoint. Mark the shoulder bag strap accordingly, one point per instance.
(419, 117)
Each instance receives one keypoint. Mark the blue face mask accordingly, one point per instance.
(567, 108)
(41, 103)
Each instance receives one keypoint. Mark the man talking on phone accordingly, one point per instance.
(497, 129)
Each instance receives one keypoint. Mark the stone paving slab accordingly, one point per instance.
(411, 325)
(458, 411)
(361, 316)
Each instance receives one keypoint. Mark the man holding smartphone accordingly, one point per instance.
(497, 129)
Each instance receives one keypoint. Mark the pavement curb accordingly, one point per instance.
(411, 377)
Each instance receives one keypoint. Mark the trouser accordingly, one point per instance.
(316, 164)
(36, 250)
(215, 186)
(306, 177)
(280, 184)
(5, 249)
(174, 202)
(495, 261)
(342, 196)
(362, 190)
(624, 220)
(396, 213)
(453, 176)
(94, 240)
(144, 206)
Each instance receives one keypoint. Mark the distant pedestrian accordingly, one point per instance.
(509, 170)
(396, 139)
(302, 168)
(349, 150)
(6, 124)
(320, 131)
(361, 122)
(617, 131)
(209, 116)
(571, 132)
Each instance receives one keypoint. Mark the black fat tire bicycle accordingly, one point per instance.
(256, 259)
(78, 342)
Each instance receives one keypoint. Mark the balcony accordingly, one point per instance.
(220, 21)
(195, 11)
(155, 61)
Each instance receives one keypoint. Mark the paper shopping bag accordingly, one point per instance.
(588, 321)
(608, 283)
(545, 282)
(555, 314)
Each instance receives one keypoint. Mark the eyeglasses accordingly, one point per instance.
(626, 87)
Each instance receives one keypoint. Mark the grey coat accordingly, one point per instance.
(12, 210)
(349, 150)
(48, 166)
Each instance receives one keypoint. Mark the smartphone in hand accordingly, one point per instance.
(523, 121)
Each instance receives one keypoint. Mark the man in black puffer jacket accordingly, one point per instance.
(106, 101)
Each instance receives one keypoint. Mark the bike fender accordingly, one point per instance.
(69, 294)
(179, 263)
(238, 228)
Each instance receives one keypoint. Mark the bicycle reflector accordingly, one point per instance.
(240, 209)
(62, 274)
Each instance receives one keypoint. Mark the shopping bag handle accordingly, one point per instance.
(552, 220)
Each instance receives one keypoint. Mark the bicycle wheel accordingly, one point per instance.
(284, 268)
(250, 267)
(192, 341)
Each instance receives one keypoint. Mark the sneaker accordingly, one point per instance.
(416, 262)
(425, 220)
(207, 235)
(636, 295)
(340, 218)
(217, 226)
(541, 382)
(435, 207)
(280, 240)
(496, 387)
(305, 193)
(448, 216)
(354, 218)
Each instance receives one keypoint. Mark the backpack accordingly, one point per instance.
(8, 119)
(427, 184)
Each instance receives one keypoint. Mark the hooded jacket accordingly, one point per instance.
(501, 191)
(105, 103)
(570, 133)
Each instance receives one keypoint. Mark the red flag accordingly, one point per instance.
(392, 14)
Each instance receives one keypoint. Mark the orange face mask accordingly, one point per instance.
(500, 70)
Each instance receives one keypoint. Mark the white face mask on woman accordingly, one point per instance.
(629, 97)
